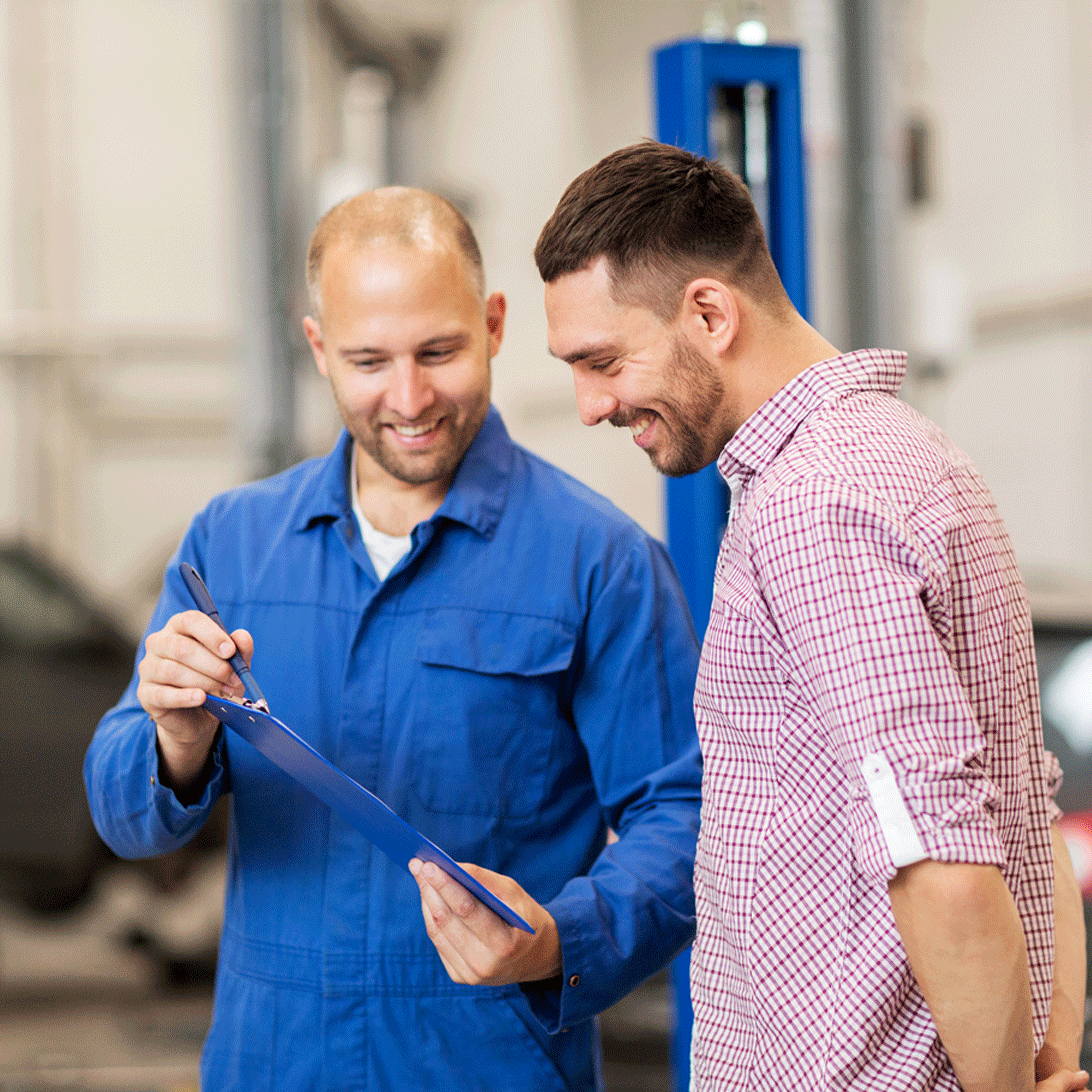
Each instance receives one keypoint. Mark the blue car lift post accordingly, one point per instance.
(739, 104)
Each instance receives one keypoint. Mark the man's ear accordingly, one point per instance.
(495, 309)
(314, 339)
(711, 315)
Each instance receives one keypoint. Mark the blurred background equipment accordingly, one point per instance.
(63, 662)
(62, 665)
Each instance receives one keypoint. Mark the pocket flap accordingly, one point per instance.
(495, 642)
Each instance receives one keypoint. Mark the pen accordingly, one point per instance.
(200, 594)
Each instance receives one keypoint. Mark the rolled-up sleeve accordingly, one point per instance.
(860, 606)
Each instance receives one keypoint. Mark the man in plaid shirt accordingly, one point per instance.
(884, 899)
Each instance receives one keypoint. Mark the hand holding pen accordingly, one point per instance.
(204, 602)
(189, 658)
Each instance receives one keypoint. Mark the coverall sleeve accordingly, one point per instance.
(135, 814)
(633, 707)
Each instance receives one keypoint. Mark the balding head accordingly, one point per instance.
(395, 215)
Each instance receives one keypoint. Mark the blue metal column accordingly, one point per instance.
(689, 76)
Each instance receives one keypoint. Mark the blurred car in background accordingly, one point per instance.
(63, 662)
(1063, 652)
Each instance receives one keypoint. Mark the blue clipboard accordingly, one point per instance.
(364, 810)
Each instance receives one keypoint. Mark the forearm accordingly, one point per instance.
(965, 944)
(136, 815)
(1066, 1029)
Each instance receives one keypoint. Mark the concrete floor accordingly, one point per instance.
(134, 1041)
(82, 1009)
(91, 1042)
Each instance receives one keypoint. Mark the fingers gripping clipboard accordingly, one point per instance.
(354, 803)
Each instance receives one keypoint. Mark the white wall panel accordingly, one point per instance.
(154, 176)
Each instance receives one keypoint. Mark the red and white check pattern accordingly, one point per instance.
(867, 602)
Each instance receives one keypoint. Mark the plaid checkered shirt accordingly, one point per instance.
(867, 699)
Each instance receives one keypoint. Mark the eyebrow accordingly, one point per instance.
(455, 338)
(444, 340)
(586, 352)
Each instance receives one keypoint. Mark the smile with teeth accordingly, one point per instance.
(411, 431)
(638, 426)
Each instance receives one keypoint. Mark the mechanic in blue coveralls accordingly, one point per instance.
(486, 644)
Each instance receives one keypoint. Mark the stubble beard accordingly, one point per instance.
(429, 466)
(695, 397)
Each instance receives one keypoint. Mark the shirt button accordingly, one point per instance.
(574, 980)
(153, 780)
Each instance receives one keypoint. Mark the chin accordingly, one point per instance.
(675, 467)
(419, 474)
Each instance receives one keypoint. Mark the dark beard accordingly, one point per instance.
(692, 418)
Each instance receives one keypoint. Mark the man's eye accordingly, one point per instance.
(437, 356)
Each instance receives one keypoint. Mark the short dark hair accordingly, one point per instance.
(662, 217)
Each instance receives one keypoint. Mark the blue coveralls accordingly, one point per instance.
(522, 680)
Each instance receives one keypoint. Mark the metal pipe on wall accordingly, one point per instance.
(269, 425)
(871, 201)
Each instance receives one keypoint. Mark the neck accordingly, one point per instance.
(390, 505)
(768, 354)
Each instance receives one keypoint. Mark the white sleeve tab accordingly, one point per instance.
(898, 828)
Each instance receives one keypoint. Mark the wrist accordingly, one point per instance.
(551, 949)
(544, 957)
(183, 767)
(1052, 1058)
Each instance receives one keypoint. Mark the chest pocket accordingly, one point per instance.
(487, 708)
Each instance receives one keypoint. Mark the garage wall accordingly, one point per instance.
(124, 252)
(996, 265)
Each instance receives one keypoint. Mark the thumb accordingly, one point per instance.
(244, 643)
(1065, 1080)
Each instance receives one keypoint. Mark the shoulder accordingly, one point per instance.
(873, 452)
(579, 549)
(869, 475)
(544, 491)
(259, 519)
(286, 494)
(250, 538)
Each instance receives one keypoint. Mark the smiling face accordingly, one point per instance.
(632, 370)
(406, 343)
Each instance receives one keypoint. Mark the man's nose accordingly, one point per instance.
(410, 393)
(593, 401)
